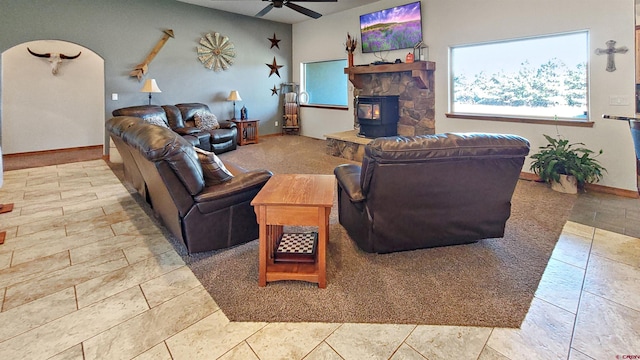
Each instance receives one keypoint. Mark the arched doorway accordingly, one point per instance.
(42, 111)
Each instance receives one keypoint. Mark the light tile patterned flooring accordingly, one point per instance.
(85, 274)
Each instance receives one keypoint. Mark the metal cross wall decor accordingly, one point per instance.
(611, 50)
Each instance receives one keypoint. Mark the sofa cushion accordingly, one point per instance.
(206, 121)
(158, 144)
(142, 111)
(213, 169)
(156, 120)
(174, 116)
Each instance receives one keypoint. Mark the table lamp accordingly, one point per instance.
(150, 86)
(234, 96)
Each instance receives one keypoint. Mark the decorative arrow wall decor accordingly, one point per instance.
(141, 69)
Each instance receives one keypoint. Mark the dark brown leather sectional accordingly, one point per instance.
(431, 190)
(164, 168)
(180, 118)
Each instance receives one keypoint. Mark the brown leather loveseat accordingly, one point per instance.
(180, 118)
(430, 190)
(170, 176)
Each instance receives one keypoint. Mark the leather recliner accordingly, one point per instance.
(430, 190)
(223, 139)
(203, 217)
(217, 140)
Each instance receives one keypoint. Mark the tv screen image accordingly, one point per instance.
(395, 28)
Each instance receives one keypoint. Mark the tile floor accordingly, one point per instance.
(85, 274)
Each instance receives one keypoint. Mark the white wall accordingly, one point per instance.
(42, 111)
(455, 22)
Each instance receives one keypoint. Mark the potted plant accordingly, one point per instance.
(566, 166)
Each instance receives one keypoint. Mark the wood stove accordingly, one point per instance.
(377, 115)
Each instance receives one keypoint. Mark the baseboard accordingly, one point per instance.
(591, 187)
(53, 151)
(271, 135)
(612, 190)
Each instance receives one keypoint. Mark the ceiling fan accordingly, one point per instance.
(290, 4)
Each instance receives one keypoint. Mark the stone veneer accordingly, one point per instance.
(417, 107)
(347, 145)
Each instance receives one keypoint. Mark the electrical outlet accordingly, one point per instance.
(114, 97)
(276, 123)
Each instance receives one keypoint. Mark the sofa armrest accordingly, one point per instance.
(238, 184)
(226, 124)
(187, 130)
(348, 177)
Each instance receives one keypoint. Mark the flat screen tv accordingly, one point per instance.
(395, 28)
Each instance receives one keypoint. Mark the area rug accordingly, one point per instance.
(489, 283)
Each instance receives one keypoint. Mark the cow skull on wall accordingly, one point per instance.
(54, 58)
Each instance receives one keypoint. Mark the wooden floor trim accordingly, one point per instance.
(43, 152)
(590, 187)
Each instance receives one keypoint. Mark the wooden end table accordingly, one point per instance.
(293, 199)
(247, 131)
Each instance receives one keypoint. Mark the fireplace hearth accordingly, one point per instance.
(377, 116)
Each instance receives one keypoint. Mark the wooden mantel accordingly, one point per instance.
(419, 71)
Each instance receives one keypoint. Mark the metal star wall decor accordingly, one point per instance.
(274, 41)
(274, 91)
(274, 67)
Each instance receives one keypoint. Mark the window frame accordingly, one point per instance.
(303, 86)
(524, 118)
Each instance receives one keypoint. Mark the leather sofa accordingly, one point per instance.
(430, 190)
(132, 176)
(203, 217)
(180, 118)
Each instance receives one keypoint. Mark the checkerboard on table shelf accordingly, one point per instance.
(297, 247)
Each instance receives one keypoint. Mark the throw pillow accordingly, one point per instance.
(206, 121)
(156, 120)
(214, 170)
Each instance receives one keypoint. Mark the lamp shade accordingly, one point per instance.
(234, 95)
(150, 86)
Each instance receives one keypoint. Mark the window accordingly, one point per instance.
(325, 83)
(542, 77)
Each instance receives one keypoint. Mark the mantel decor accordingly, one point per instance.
(419, 71)
(350, 46)
(216, 52)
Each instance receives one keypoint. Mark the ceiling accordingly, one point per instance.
(283, 15)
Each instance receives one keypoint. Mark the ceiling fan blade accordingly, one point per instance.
(302, 10)
(314, 0)
(265, 10)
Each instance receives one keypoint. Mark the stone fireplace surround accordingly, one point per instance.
(413, 82)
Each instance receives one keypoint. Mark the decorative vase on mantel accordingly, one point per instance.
(350, 46)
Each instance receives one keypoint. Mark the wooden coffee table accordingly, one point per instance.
(293, 199)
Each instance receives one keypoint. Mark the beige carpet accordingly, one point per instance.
(489, 283)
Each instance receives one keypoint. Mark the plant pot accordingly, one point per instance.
(567, 184)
